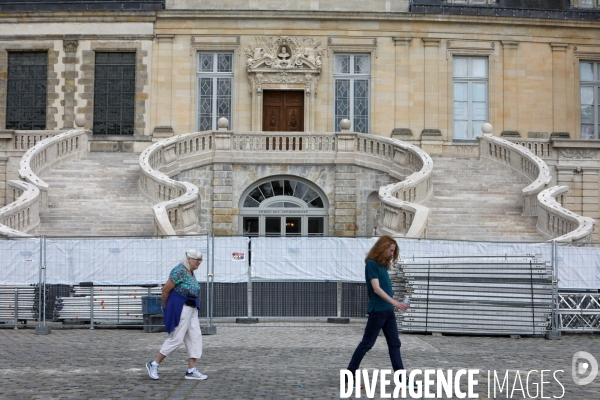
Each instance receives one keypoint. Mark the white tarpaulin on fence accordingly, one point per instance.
(19, 261)
(148, 261)
(578, 267)
(116, 261)
(309, 258)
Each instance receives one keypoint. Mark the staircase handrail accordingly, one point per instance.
(22, 214)
(175, 214)
(543, 148)
(25, 140)
(170, 156)
(521, 160)
(400, 212)
(48, 153)
(45, 154)
(557, 222)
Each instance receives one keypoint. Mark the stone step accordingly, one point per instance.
(109, 203)
(478, 199)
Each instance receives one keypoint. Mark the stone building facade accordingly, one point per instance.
(428, 72)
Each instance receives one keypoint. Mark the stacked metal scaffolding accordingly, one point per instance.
(478, 295)
(94, 304)
(17, 304)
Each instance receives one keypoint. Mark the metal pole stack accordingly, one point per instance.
(483, 295)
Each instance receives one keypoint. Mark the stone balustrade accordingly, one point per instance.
(177, 210)
(400, 213)
(22, 214)
(525, 156)
(521, 160)
(540, 147)
(48, 153)
(557, 222)
(27, 199)
(176, 213)
(25, 140)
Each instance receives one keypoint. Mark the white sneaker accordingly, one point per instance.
(195, 375)
(152, 370)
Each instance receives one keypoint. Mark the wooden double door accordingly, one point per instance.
(283, 110)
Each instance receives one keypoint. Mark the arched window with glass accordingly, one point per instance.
(283, 206)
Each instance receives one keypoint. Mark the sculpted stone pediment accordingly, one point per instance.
(284, 63)
(277, 53)
(284, 60)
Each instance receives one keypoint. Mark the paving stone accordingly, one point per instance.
(279, 361)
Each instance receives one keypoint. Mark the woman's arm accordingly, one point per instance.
(381, 293)
(166, 289)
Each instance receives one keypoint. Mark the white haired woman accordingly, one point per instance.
(180, 305)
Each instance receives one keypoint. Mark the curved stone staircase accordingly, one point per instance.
(478, 199)
(96, 195)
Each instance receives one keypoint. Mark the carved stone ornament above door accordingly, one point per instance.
(284, 60)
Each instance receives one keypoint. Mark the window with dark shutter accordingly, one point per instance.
(114, 94)
(26, 92)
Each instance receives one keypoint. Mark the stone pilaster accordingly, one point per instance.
(510, 98)
(402, 108)
(559, 87)
(222, 200)
(164, 101)
(345, 200)
(432, 84)
(70, 76)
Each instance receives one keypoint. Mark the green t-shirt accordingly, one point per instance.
(185, 284)
(373, 270)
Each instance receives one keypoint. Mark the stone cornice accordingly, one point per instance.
(77, 16)
(371, 16)
(120, 38)
(576, 143)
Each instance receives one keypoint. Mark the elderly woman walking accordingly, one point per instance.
(180, 305)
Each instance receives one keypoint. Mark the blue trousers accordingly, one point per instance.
(379, 320)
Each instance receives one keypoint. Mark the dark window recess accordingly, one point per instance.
(114, 94)
(26, 91)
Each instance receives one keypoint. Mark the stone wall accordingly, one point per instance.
(533, 83)
(346, 188)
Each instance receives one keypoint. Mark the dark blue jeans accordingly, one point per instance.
(379, 320)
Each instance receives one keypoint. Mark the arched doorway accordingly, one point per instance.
(283, 206)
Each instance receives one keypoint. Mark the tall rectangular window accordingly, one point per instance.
(215, 88)
(470, 84)
(589, 76)
(26, 90)
(114, 94)
(352, 73)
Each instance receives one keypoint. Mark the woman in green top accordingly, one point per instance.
(381, 304)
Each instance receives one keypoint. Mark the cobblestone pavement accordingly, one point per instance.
(292, 361)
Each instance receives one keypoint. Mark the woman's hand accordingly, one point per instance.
(401, 305)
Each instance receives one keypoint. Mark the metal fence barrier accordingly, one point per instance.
(458, 287)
